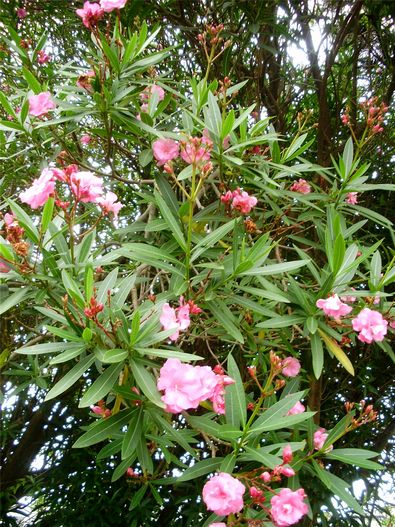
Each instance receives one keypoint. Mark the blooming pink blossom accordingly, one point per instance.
(165, 150)
(290, 367)
(41, 104)
(217, 398)
(319, 438)
(21, 13)
(227, 197)
(110, 5)
(175, 318)
(217, 524)
(90, 14)
(149, 90)
(243, 202)
(185, 386)
(85, 139)
(10, 219)
(41, 189)
(333, 306)
(288, 507)
(301, 186)
(352, 198)
(43, 57)
(298, 408)
(86, 187)
(370, 325)
(109, 204)
(223, 494)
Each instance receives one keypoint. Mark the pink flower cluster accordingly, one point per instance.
(92, 13)
(333, 307)
(370, 325)
(288, 507)
(319, 438)
(41, 104)
(301, 186)
(178, 318)
(223, 494)
(43, 57)
(352, 198)
(239, 200)
(85, 186)
(186, 386)
(196, 150)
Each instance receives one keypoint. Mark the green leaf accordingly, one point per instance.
(25, 221)
(31, 81)
(115, 355)
(282, 321)
(317, 354)
(72, 289)
(71, 377)
(337, 352)
(228, 464)
(275, 415)
(13, 299)
(211, 239)
(168, 354)
(50, 347)
(338, 487)
(356, 456)
(200, 469)
(132, 436)
(106, 285)
(259, 455)
(273, 269)
(348, 156)
(171, 221)
(235, 402)
(146, 382)
(338, 430)
(47, 215)
(66, 355)
(101, 386)
(104, 428)
(222, 314)
(375, 269)
(338, 253)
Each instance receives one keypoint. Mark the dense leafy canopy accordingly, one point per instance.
(278, 97)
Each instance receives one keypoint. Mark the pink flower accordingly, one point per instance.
(85, 139)
(345, 119)
(185, 386)
(223, 494)
(109, 204)
(41, 189)
(288, 507)
(86, 187)
(196, 149)
(175, 318)
(217, 397)
(84, 81)
(130, 473)
(149, 90)
(227, 197)
(352, 198)
(290, 367)
(301, 186)
(319, 438)
(10, 219)
(43, 57)
(21, 13)
(333, 306)
(298, 408)
(165, 150)
(41, 104)
(217, 524)
(392, 324)
(287, 454)
(110, 5)
(243, 202)
(265, 476)
(288, 472)
(349, 298)
(370, 325)
(90, 14)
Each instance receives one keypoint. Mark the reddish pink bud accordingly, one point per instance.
(287, 454)
(288, 472)
(265, 476)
